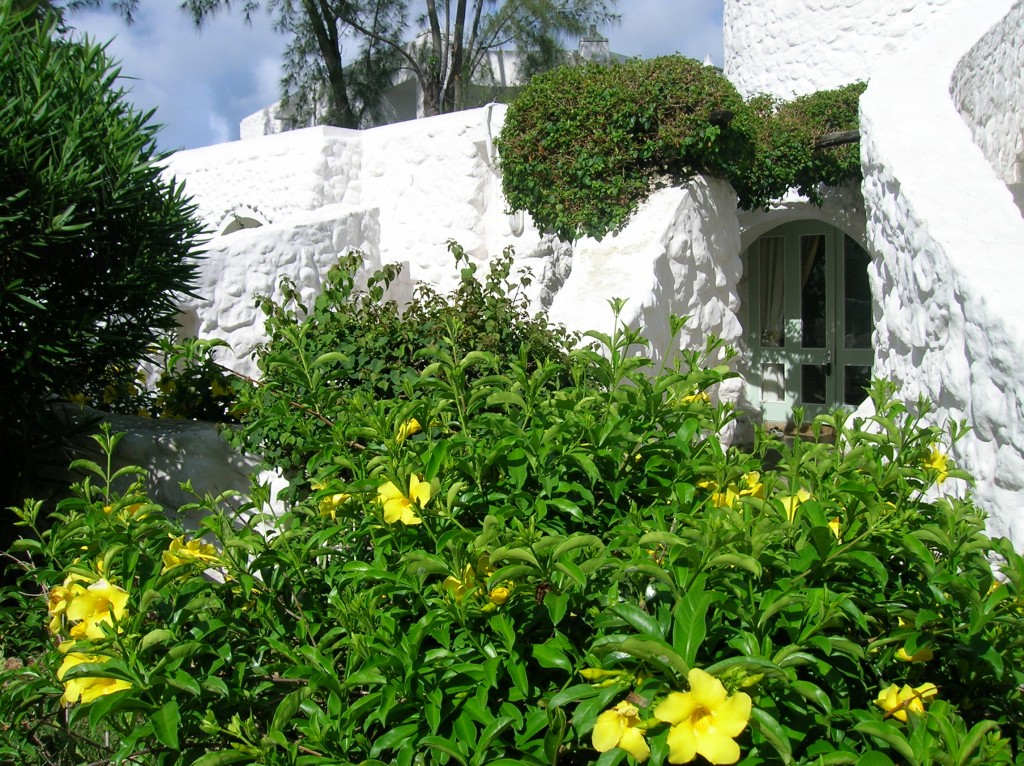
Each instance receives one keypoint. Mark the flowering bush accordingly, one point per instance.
(536, 573)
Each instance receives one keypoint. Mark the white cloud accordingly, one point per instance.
(203, 83)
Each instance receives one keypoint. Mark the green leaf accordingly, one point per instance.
(157, 636)
(328, 358)
(556, 604)
(551, 658)
(874, 758)
(221, 757)
(653, 651)
(736, 560)
(772, 731)
(890, 735)
(166, 721)
(575, 541)
(287, 708)
(391, 739)
(689, 621)
(506, 397)
(445, 745)
(643, 622)
(973, 740)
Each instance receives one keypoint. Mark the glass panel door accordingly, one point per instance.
(810, 315)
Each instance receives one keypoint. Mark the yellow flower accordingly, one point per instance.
(329, 505)
(619, 727)
(84, 689)
(460, 587)
(834, 526)
(407, 429)
(921, 655)
(752, 485)
(398, 507)
(792, 502)
(725, 498)
(60, 596)
(499, 595)
(470, 576)
(194, 551)
(938, 462)
(701, 397)
(749, 486)
(705, 720)
(98, 605)
(896, 701)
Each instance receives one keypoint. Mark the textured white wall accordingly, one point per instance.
(277, 176)
(793, 47)
(252, 261)
(948, 246)
(988, 88)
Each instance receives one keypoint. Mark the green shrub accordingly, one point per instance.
(95, 241)
(786, 156)
(535, 574)
(351, 346)
(581, 147)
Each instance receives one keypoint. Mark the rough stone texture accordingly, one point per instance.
(989, 93)
(276, 176)
(678, 255)
(801, 46)
(250, 262)
(948, 266)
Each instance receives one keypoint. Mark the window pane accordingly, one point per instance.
(812, 293)
(857, 301)
(812, 384)
(856, 378)
(771, 265)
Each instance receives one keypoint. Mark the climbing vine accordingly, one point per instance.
(581, 147)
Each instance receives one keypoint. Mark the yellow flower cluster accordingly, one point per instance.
(705, 721)
(897, 702)
(86, 611)
(407, 429)
(790, 503)
(401, 507)
(473, 581)
(195, 551)
(938, 461)
(84, 689)
(749, 485)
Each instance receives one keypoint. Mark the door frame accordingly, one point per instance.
(775, 373)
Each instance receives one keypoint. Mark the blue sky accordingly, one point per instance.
(202, 83)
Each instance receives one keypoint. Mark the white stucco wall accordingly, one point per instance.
(989, 93)
(796, 47)
(948, 247)
(277, 176)
(238, 266)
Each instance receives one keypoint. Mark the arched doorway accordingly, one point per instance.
(808, 320)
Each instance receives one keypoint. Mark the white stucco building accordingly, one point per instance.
(914, 276)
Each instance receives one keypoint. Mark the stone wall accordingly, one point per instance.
(801, 46)
(276, 176)
(947, 244)
(988, 89)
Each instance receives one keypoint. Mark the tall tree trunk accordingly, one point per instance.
(432, 77)
(339, 111)
(453, 92)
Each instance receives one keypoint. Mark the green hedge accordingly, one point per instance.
(581, 147)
